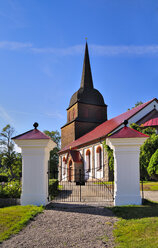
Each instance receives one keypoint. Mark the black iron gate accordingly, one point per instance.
(83, 186)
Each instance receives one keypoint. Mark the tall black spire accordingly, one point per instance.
(86, 93)
(86, 80)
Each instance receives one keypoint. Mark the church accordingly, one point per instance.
(83, 136)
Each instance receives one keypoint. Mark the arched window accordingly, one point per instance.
(88, 160)
(99, 158)
(64, 166)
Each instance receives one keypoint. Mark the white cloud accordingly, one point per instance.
(124, 50)
(96, 50)
(60, 51)
(5, 116)
(17, 148)
(12, 45)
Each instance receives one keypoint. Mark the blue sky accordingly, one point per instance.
(42, 49)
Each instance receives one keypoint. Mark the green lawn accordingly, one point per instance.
(137, 226)
(150, 186)
(13, 219)
(147, 185)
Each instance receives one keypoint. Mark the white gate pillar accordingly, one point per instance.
(126, 148)
(35, 147)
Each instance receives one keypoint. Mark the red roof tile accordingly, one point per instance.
(151, 123)
(127, 132)
(76, 156)
(106, 127)
(32, 134)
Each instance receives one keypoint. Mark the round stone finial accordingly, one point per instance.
(35, 125)
(125, 123)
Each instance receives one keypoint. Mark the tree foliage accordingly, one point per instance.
(54, 158)
(136, 104)
(148, 131)
(11, 162)
(55, 136)
(7, 145)
(153, 166)
(110, 157)
(146, 151)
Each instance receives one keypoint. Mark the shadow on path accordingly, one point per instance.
(80, 208)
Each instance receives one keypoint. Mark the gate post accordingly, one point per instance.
(35, 147)
(126, 147)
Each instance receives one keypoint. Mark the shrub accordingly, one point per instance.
(3, 178)
(10, 189)
(53, 187)
(146, 151)
(153, 166)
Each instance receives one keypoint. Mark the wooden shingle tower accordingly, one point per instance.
(86, 109)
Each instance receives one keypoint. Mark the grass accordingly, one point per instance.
(13, 219)
(137, 226)
(150, 186)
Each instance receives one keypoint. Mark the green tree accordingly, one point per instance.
(153, 166)
(11, 162)
(136, 104)
(148, 131)
(110, 161)
(12, 165)
(54, 158)
(7, 145)
(146, 151)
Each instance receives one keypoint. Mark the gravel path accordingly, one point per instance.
(65, 226)
(151, 195)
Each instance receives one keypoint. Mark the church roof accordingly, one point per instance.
(76, 156)
(31, 134)
(127, 132)
(87, 93)
(151, 123)
(106, 127)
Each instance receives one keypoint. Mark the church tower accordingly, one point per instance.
(86, 109)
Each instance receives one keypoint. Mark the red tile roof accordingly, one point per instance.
(151, 123)
(32, 134)
(105, 128)
(127, 132)
(76, 156)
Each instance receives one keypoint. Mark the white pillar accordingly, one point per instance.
(126, 170)
(35, 156)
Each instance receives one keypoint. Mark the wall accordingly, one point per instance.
(67, 134)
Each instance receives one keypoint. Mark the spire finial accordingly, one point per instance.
(86, 80)
(35, 125)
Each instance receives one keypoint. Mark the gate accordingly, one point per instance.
(81, 186)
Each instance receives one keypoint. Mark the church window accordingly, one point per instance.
(99, 158)
(88, 160)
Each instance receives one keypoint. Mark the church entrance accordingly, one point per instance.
(76, 187)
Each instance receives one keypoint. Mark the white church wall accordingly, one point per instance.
(88, 174)
(98, 172)
(64, 168)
